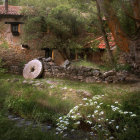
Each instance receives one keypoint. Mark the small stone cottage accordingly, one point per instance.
(12, 50)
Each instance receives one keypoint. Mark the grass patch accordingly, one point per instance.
(8, 131)
(62, 98)
(88, 64)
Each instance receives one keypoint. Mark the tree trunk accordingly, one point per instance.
(120, 37)
(131, 45)
(136, 10)
(104, 34)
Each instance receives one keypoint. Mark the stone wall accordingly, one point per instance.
(82, 74)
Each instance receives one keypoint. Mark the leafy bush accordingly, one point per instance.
(108, 121)
(2, 69)
(120, 67)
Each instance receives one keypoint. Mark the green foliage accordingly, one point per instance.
(120, 67)
(4, 45)
(126, 22)
(32, 104)
(114, 102)
(2, 69)
(88, 64)
(57, 24)
(107, 120)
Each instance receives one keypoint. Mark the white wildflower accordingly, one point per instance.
(95, 102)
(65, 135)
(133, 115)
(90, 100)
(98, 106)
(116, 102)
(125, 112)
(65, 128)
(101, 113)
(72, 130)
(84, 99)
(64, 88)
(77, 122)
(111, 138)
(60, 118)
(117, 127)
(89, 116)
(89, 122)
(124, 129)
(120, 111)
(95, 111)
(91, 133)
(91, 104)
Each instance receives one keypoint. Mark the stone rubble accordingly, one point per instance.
(83, 74)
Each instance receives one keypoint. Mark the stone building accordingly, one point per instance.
(12, 51)
(15, 53)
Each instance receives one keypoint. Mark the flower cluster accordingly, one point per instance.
(92, 113)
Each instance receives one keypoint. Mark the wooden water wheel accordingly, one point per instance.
(33, 69)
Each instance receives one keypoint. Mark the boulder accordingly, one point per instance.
(90, 80)
(109, 73)
(96, 72)
(66, 64)
(49, 59)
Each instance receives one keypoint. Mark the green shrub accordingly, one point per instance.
(2, 69)
(108, 121)
(120, 67)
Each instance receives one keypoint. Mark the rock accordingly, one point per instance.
(30, 82)
(110, 79)
(96, 72)
(86, 69)
(33, 69)
(37, 84)
(109, 73)
(47, 66)
(90, 80)
(51, 63)
(49, 59)
(48, 74)
(39, 58)
(80, 77)
(66, 64)
(25, 82)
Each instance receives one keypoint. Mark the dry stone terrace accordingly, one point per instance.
(83, 74)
